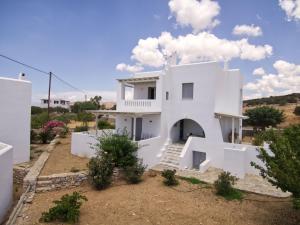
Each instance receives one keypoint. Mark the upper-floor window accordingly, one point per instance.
(151, 92)
(167, 95)
(56, 102)
(187, 90)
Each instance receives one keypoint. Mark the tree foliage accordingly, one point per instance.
(282, 166)
(264, 116)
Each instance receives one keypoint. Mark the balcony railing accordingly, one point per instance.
(139, 105)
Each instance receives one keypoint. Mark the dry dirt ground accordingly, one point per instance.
(288, 109)
(74, 124)
(150, 202)
(62, 161)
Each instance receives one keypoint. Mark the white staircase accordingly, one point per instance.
(171, 156)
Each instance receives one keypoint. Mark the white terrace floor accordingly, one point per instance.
(251, 183)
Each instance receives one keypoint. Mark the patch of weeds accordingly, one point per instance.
(66, 209)
(224, 186)
(170, 179)
(192, 180)
(74, 169)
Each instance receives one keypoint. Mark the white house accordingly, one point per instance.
(55, 102)
(15, 103)
(184, 116)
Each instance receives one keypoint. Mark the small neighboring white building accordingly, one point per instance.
(15, 103)
(185, 116)
(55, 102)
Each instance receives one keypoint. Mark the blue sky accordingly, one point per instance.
(83, 41)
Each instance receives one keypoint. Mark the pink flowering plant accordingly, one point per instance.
(56, 127)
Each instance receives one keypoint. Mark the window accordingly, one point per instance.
(151, 92)
(167, 95)
(187, 90)
(56, 102)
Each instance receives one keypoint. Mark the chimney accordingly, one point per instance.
(21, 76)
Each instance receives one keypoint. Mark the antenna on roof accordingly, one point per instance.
(170, 60)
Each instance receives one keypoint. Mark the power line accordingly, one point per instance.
(44, 72)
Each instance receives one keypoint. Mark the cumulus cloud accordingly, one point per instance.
(291, 8)
(285, 81)
(129, 68)
(196, 47)
(199, 14)
(247, 30)
(259, 71)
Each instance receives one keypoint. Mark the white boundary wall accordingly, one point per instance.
(15, 101)
(234, 158)
(6, 179)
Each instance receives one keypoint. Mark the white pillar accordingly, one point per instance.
(134, 127)
(240, 130)
(232, 130)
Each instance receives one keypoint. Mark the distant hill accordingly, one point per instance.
(272, 100)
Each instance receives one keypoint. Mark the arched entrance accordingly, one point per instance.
(185, 128)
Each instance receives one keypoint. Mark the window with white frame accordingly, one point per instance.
(187, 90)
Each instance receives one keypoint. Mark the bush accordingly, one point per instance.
(81, 128)
(38, 121)
(46, 136)
(33, 136)
(66, 117)
(282, 167)
(264, 116)
(170, 179)
(297, 111)
(101, 171)
(133, 174)
(104, 124)
(120, 147)
(65, 210)
(224, 186)
(36, 110)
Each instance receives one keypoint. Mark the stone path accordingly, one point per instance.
(251, 183)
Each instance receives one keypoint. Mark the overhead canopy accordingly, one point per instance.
(133, 80)
(230, 115)
(115, 112)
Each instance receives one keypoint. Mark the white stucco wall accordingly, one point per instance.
(15, 101)
(141, 90)
(6, 179)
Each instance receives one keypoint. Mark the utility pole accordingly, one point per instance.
(49, 93)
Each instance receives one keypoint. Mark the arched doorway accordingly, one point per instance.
(185, 128)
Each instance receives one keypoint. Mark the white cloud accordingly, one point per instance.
(247, 30)
(286, 80)
(199, 14)
(259, 71)
(128, 68)
(196, 47)
(291, 8)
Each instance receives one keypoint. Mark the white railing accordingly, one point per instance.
(139, 105)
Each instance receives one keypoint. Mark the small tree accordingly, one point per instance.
(297, 111)
(264, 116)
(282, 168)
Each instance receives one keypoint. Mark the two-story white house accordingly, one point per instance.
(186, 116)
(55, 102)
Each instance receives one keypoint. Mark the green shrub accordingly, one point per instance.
(120, 148)
(38, 120)
(297, 111)
(104, 124)
(66, 117)
(224, 186)
(81, 128)
(133, 174)
(46, 136)
(85, 117)
(170, 179)
(67, 209)
(33, 136)
(36, 110)
(192, 180)
(101, 171)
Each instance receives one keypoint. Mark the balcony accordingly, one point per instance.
(139, 105)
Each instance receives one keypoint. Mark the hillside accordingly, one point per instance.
(286, 103)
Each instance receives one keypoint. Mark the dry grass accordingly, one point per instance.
(150, 202)
(62, 161)
(288, 109)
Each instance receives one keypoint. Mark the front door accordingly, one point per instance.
(138, 129)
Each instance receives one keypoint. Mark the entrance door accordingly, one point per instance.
(151, 92)
(181, 127)
(138, 129)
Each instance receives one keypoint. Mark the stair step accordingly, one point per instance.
(171, 166)
(42, 189)
(172, 162)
